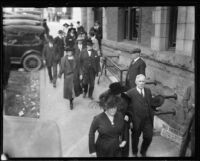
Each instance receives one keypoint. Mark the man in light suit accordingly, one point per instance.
(88, 69)
(142, 115)
(137, 66)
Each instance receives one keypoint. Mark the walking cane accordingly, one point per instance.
(44, 63)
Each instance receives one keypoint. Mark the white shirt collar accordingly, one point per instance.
(136, 59)
(139, 90)
(89, 53)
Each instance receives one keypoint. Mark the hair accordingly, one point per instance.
(139, 76)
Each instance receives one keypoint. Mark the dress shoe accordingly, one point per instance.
(91, 98)
(84, 95)
(71, 106)
(143, 154)
(54, 85)
(134, 155)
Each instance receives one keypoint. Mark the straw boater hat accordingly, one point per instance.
(66, 24)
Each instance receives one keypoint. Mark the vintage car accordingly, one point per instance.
(21, 16)
(21, 22)
(24, 45)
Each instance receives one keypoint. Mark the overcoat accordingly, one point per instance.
(110, 136)
(71, 77)
(88, 65)
(70, 41)
(50, 55)
(59, 42)
(135, 68)
(140, 106)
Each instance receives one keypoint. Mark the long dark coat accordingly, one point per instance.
(135, 68)
(71, 77)
(50, 55)
(140, 107)
(88, 65)
(59, 42)
(107, 144)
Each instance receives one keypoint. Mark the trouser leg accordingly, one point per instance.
(54, 73)
(85, 88)
(135, 140)
(50, 73)
(147, 136)
(91, 84)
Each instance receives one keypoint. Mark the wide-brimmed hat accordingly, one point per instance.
(116, 88)
(137, 50)
(89, 42)
(66, 24)
(70, 49)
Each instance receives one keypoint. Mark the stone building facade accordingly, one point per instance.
(166, 38)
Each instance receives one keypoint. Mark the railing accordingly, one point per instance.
(117, 70)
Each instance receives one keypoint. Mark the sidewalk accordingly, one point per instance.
(73, 124)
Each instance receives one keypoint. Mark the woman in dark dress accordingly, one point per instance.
(110, 126)
(70, 68)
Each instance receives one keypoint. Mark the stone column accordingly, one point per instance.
(160, 19)
(104, 25)
(84, 17)
(185, 31)
(90, 18)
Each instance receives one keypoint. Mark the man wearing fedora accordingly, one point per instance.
(88, 69)
(137, 66)
(51, 58)
(79, 47)
(59, 42)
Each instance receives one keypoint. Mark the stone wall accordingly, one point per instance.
(147, 28)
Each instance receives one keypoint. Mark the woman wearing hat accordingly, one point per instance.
(70, 40)
(110, 126)
(70, 69)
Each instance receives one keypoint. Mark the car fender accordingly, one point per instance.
(29, 52)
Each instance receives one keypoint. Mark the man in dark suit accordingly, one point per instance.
(59, 43)
(88, 69)
(51, 59)
(79, 47)
(97, 29)
(137, 66)
(142, 115)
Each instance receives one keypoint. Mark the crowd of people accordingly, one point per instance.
(78, 56)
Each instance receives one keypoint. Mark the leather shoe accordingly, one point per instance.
(84, 95)
(54, 85)
(91, 98)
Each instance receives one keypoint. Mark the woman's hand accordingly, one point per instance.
(93, 154)
(123, 143)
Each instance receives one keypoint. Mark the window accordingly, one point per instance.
(172, 26)
(131, 23)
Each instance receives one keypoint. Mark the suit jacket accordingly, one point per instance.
(135, 68)
(59, 42)
(50, 55)
(140, 107)
(107, 144)
(87, 62)
(78, 52)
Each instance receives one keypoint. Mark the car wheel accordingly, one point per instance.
(32, 62)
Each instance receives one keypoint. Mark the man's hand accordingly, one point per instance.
(126, 118)
(44, 62)
(81, 77)
(123, 143)
(93, 154)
